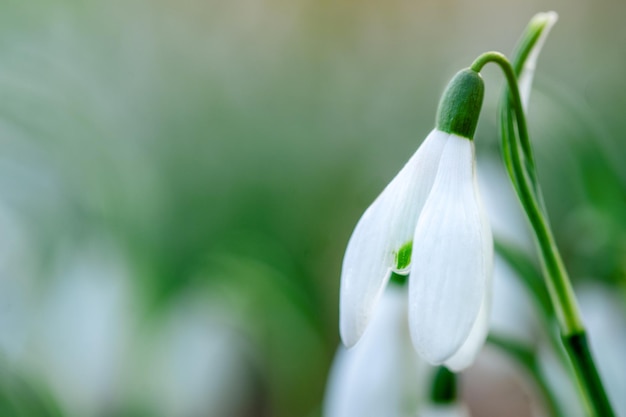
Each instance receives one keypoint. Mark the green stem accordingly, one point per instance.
(578, 350)
(511, 76)
(515, 96)
(557, 281)
(559, 286)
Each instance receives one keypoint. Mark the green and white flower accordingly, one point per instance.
(429, 221)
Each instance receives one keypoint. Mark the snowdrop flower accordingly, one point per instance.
(429, 221)
(381, 375)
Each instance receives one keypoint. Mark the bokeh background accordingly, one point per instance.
(178, 181)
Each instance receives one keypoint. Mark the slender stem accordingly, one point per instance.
(511, 76)
(557, 281)
(515, 97)
(559, 286)
(578, 350)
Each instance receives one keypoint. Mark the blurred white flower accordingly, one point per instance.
(197, 361)
(506, 217)
(513, 310)
(82, 328)
(380, 375)
(513, 313)
(444, 410)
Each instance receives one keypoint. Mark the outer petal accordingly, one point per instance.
(378, 376)
(449, 265)
(384, 227)
(525, 79)
(465, 356)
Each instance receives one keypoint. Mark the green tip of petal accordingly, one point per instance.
(460, 104)
(403, 256)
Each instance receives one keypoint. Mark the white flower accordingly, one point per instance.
(380, 375)
(433, 204)
(452, 259)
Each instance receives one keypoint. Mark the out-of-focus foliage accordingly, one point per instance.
(22, 398)
(178, 181)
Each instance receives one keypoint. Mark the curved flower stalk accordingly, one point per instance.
(519, 160)
(513, 315)
(378, 376)
(430, 221)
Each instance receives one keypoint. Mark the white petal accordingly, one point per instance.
(466, 355)
(525, 79)
(384, 227)
(378, 376)
(450, 268)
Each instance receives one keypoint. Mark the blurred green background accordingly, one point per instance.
(179, 179)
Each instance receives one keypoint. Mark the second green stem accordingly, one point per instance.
(559, 286)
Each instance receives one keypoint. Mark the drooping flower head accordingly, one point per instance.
(429, 220)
